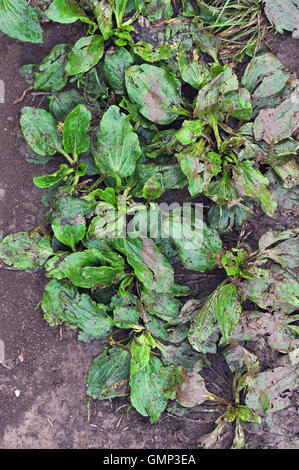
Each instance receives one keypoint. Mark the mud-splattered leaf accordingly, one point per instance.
(279, 291)
(250, 182)
(154, 91)
(40, 131)
(118, 146)
(237, 104)
(85, 54)
(161, 305)
(76, 125)
(284, 15)
(116, 63)
(62, 303)
(275, 124)
(108, 375)
(150, 266)
(125, 311)
(19, 21)
(24, 251)
(265, 76)
(51, 72)
(146, 394)
(195, 73)
(66, 11)
(228, 309)
(157, 10)
(271, 389)
(198, 245)
(192, 391)
(103, 12)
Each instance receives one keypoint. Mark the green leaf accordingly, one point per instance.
(162, 305)
(146, 394)
(66, 11)
(154, 91)
(63, 304)
(140, 354)
(24, 251)
(108, 374)
(195, 73)
(237, 104)
(119, 7)
(250, 182)
(76, 125)
(51, 72)
(228, 309)
(88, 268)
(69, 232)
(125, 311)
(85, 54)
(118, 146)
(61, 104)
(149, 53)
(53, 178)
(103, 12)
(115, 64)
(40, 131)
(19, 21)
(283, 14)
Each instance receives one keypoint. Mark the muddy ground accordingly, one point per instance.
(47, 366)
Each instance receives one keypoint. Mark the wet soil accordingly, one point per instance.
(42, 383)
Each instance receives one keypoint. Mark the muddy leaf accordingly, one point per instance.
(63, 304)
(151, 180)
(150, 266)
(286, 252)
(40, 131)
(162, 305)
(284, 15)
(61, 104)
(192, 391)
(238, 357)
(85, 54)
(250, 182)
(66, 11)
(228, 309)
(108, 375)
(24, 251)
(237, 104)
(76, 125)
(215, 439)
(53, 178)
(224, 220)
(279, 291)
(118, 146)
(146, 394)
(103, 12)
(115, 64)
(205, 323)
(275, 124)
(154, 91)
(157, 10)
(271, 389)
(69, 232)
(208, 43)
(19, 21)
(198, 245)
(125, 311)
(69, 207)
(265, 76)
(181, 355)
(51, 72)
